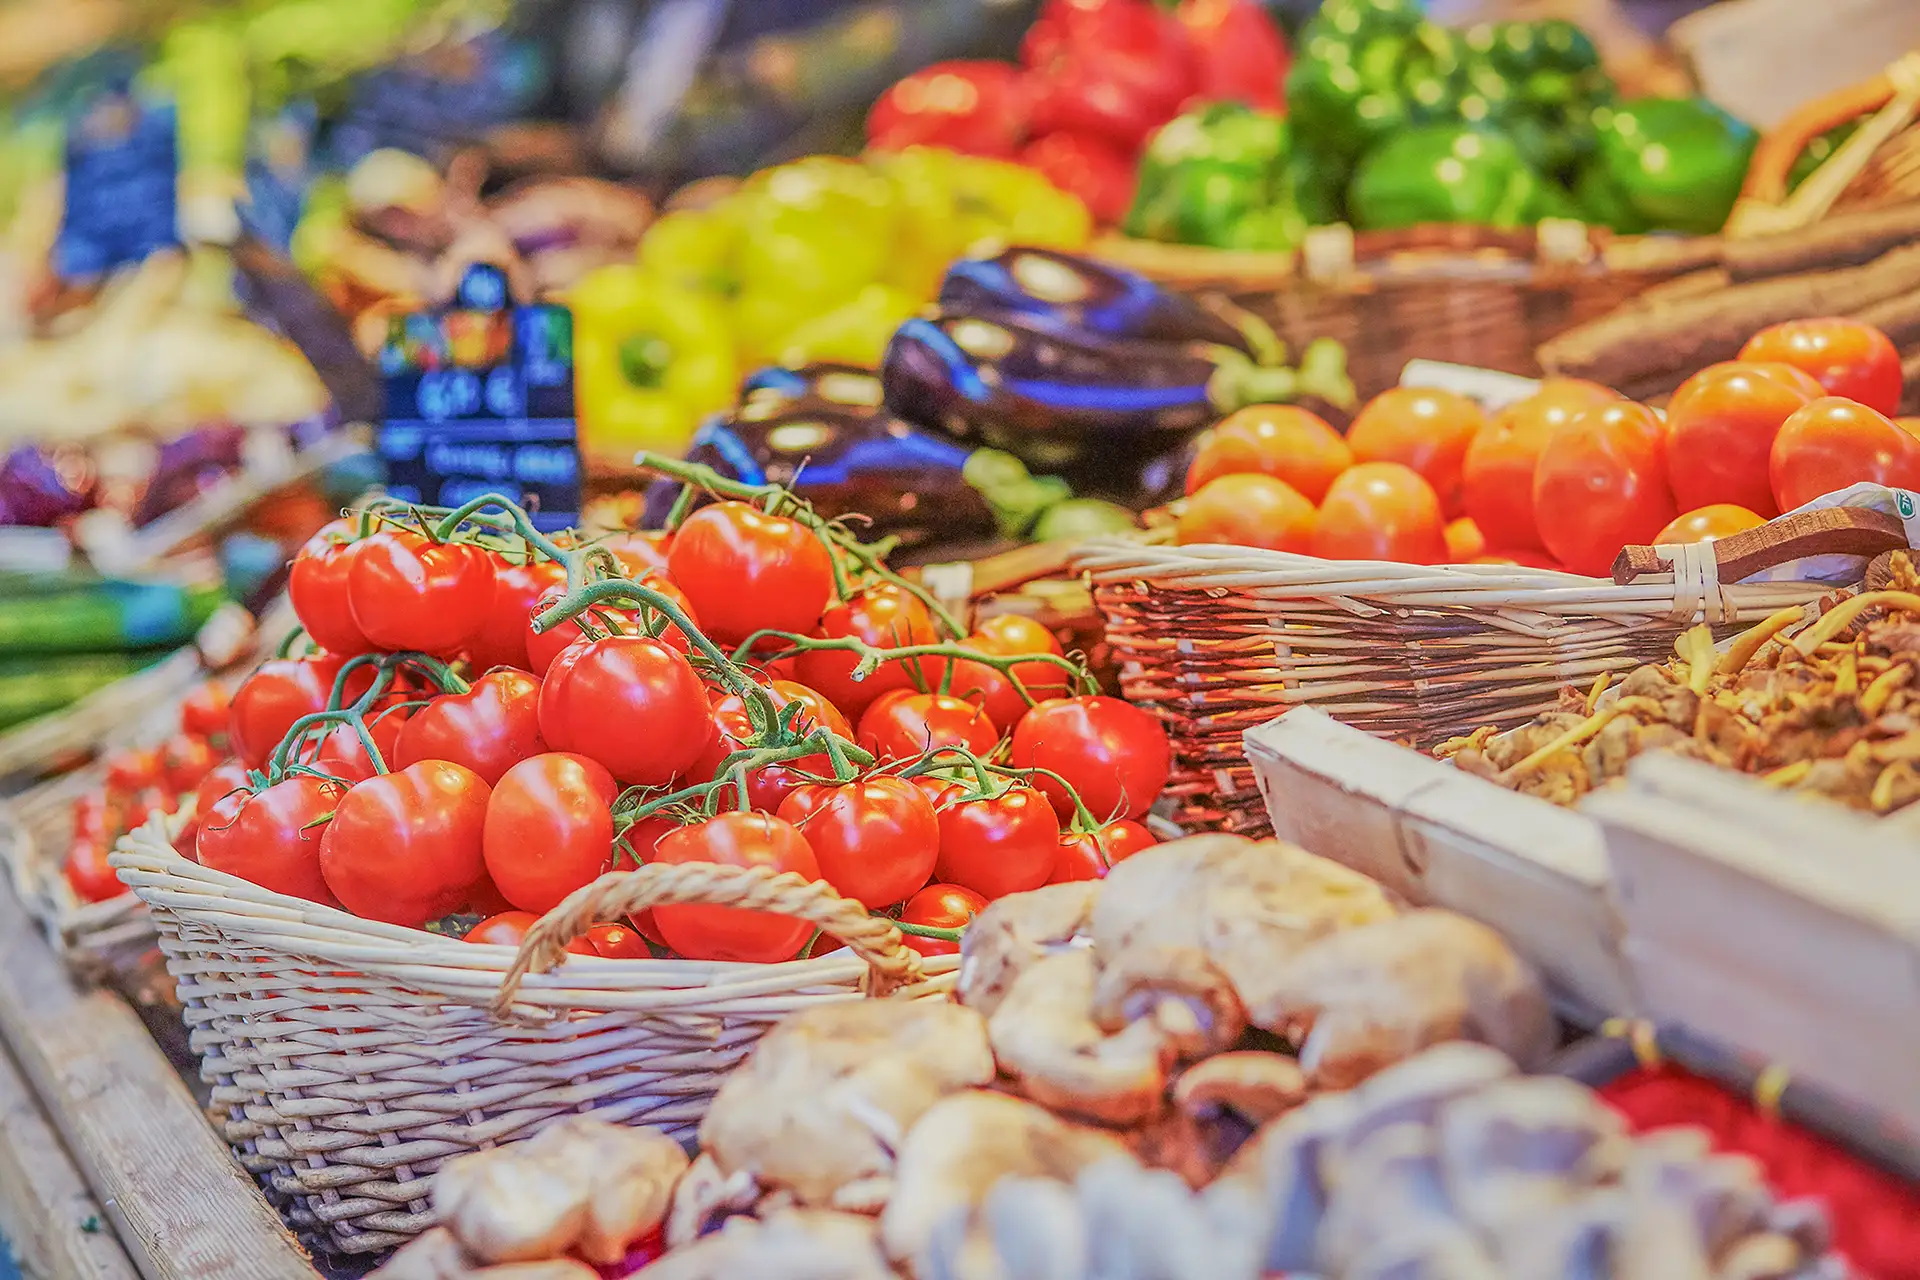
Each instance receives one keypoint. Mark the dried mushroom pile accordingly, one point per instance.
(1831, 710)
(1225, 1060)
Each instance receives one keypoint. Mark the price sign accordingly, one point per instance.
(122, 198)
(480, 400)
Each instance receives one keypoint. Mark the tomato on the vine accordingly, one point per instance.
(273, 838)
(632, 704)
(886, 616)
(1009, 635)
(317, 588)
(221, 781)
(278, 693)
(639, 841)
(618, 942)
(748, 571)
(616, 618)
(1112, 753)
(549, 829)
(1849, 358)
(640, 551)
(733, 933)
(902, 725)
(999, 844)
(940, 906)
(733, 729)
(1721, 424)
(408, 592)
(502, 640)
(1602, 485)
(341, 753)
(204, 711)
(185, 760)
(405, 847)
(1832, 443)
(490, 728)
(509, 929)
(1089, 855)
(875, 838)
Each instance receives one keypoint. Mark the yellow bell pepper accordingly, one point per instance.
(855, 332)
(651, 360)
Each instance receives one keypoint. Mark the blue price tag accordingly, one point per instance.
(480, 400)
(122, 185)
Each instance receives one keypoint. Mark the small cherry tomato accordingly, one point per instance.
(1833, 443)
(1089, 855)
(317, 588)
(1496, 477)
(204, 712)
(1721, 424)
(1465, 542)
(875, 838)
(1423, 428)
(1704, 524)
(747, 571)
(341, 753)
(549, 829)
(634, 705)
(904, 725)
(273, 838)
(617, 942)
(1009, 635)
(940, 906)
(1277, 440)
(1112, 753)
(502, 640)
(405, 847)
(279, 692)
(407, 592)
(509, 929)
(1249, 510)
(640, 552)
(1602, 485)
(732, 933)
(87, 872)
(490, 728)
(887, 617)
(184, 761)
(999, 844)
(1848, 358)
(617, 619)
(1381, 511)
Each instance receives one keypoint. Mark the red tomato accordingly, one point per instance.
(998, 845)
(143, 804)
(1112, 753)
(1720, 429)
(317, 587)
(1090, 855)
(87, 872)
(640, 841)
(911, 724)
(1704, 524)
(976, 107)
(405, 847)
(621, 619)
(746, 571)
(279, 692)
(616, 942)
(509, 929)
(1602, 485)
(549, 829)
(731, 933)
(1278, 440)
(128, 771)
(1249, 510)
(887, 617)
(940, 906)
(1526, 556)
(733, 729)
(484, 899)
(490, 728)
(1848, 358)
(502, 640)
(274, 838)
(1833, 443)
(184, 761)
(632, 704)
(90, 815)
(1464, 540)
(1008, 635)
(1381, 511)
(203, 713)
(342, 754)
(1422, 428)
(640, 552)
(221, 781)
(1496, 477)
(407, 592)
(875, 838)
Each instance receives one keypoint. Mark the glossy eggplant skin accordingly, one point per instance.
(1072, 294)
(823, 431)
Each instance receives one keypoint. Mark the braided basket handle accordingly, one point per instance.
(891, 964)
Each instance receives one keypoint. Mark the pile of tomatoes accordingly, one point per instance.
(1567, 477)
(512, 764)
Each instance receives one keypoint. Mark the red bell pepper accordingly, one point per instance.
(977, 107)
(1096, 170)
(1117, 69)
(1239, 54)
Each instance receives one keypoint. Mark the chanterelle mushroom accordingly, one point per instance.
(438, 1256)
(581, 1185)
(1015, 931)
(821, 1106)
(801, 1244)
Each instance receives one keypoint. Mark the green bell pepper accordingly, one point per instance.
(1674, 164)
(1217, 177)
(1443, 173)
(1548, 80)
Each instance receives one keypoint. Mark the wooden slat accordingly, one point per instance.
(182, 1209)
(47, 1215)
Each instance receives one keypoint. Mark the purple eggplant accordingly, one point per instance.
(45, 486)
(1066, 293)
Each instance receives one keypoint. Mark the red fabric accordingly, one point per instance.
(1875, 1215)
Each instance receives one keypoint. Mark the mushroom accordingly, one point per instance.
(438, 1256)
(802, 1244)
(580, 1185)
(1255, 1086)
(1015, 931)
(705, 1195)
(823, 1102)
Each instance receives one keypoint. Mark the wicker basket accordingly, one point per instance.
(1217, 639)
(348, 1058)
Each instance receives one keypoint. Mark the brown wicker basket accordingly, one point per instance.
(348, 1059)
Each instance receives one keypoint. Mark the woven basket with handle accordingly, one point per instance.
(1217, 639)
(348, 1059)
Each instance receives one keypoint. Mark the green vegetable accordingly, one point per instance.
(1443, 173)
(103, 617)
(1016, 496)
(1665, 163)
(1220, 176)
(1083, 518)
(34, 687)
(1818, 152)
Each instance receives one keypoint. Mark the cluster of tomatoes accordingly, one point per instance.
(510, 764)
(141, 783)
(1567, 477)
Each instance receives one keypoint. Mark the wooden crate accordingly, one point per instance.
(1437, 836)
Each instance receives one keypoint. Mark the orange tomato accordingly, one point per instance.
(1832, 443)
(1848, 358)
(1704, 524)
(1381, 511)
(1273, 439)
(1602, 485)
(1524, 556)
(1720, 429)
(1422, 428)
(1249, 510)
(1464, 539)
(1496, 476)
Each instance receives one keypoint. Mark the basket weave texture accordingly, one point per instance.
(1218, 639)
(348, 1059)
